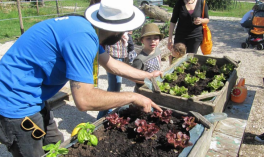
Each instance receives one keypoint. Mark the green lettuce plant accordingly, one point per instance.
(179, 69)
(164, 87)
(215, 84)
(171, 77)
(191, 80)
(227, 68)
(204, 68)
(211, 61)
(201, 75)
(220, 77)
(178, 91)
(193, 60)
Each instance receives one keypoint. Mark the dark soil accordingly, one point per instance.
(115, 143)
(199, 86)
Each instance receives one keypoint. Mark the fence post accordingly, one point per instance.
(57, 6)
(20, 17)
(37, 7)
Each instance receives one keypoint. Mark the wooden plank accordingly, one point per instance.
(232, 127)
(225, 144)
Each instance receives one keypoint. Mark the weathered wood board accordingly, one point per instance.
(196, 103)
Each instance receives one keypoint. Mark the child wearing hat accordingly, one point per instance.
(149, 59)
(178, 50)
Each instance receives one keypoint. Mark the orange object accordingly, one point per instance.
(239, 92)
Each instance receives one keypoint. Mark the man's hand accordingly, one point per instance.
(145, 103)
(156, 73)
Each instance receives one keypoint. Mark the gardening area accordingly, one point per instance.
(191, 89)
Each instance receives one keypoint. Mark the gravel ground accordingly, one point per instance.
(227, 37)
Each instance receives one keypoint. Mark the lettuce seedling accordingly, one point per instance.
(85, 134)
(179, 69)
(193, 60)
(54, 149)
(178, 139)
(227, 68)
(116, 122)
(163, 116)
(178, 91)
(220, 77)
(186, 65)
(171, 77)
(191, 80)
(185, 95)
(204, 68)
(201, 75)
(204, 92)
(146, 130)
(189, 122)
(215, 84)
(164, 87)
(211, 61)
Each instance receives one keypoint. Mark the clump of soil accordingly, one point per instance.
(115, 143)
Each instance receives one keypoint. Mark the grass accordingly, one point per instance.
(10, 25)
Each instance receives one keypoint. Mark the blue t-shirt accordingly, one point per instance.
(42, 60)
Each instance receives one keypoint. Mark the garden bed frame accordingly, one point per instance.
(200, 147)
(219, 98)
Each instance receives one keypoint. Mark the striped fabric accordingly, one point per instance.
(118, 50)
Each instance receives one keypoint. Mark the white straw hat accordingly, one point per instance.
(115, 15)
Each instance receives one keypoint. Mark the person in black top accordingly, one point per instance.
(188, 14)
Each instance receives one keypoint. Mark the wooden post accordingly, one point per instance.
(37, 7)
(75, 8)
(57, 6)
(20, 17)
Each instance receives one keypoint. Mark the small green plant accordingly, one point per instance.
(211, 61)
(85, 134)
(193, 60)
(204, 68)
(201, 75)
(215, 84)
(178, 91)
(227, 68)
(186, 95)
(204, 92)
(186, 65)
(220, 77)
(171, 77)
(54, 149)
(179, 69)
(191, 80)
(164, 87)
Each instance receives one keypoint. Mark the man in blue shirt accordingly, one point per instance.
(53, 52)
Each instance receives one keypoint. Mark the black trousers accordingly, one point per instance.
(20, 142)
(192, 44)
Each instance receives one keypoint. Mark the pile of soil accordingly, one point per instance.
(115, 143)
(199, 86)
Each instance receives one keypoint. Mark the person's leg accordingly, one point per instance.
(193, 45)
(23, 143)
(247, 24)
(260, 138)
(114, 85)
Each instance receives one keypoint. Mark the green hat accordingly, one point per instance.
(150, 29)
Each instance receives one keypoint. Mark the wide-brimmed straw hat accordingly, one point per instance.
(150, 29)
(115, 15)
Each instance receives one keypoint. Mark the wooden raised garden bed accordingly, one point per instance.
(213, 101)
(133, 143)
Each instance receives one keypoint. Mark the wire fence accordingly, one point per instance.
(17, 16)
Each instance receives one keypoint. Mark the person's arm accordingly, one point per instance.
(173, 21)
(88, 98)
(122, 69)
(171, 30)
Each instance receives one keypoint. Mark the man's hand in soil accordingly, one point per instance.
(146, 103)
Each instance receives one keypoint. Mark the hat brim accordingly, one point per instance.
(136, 22)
